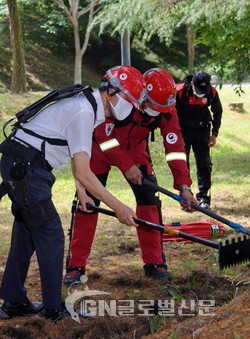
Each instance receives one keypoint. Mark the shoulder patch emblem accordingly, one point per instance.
(171, 138)
(109, 128)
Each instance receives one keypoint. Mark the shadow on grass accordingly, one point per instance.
(232, 211)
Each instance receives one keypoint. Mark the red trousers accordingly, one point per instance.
(147, 209)
(84, 232)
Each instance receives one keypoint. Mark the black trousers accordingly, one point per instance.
(197, 139)
(40, 232)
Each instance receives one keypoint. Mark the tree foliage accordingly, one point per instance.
(158, 32)
(221, 25)
(224, 27)
(143, 17)
(46, 26)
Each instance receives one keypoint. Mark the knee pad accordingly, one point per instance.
(144, 195)
(103, 179)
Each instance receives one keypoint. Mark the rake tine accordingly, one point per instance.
(237, 227)
(234, 253)
(230, 254)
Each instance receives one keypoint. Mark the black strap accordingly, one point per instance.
(176, 224)
(52, 141)
(30, 111)
(88, 94)
(87, 91)
(3, 190)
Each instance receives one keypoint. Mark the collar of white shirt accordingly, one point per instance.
(100, 116)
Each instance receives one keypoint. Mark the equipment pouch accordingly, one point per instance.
(36, 215)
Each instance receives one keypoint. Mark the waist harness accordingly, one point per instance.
(25, 152)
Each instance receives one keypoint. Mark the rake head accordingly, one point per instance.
(234, 253)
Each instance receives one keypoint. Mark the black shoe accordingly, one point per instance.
(157, 271)
(23, 308)
(63, 313)
(3, 314)
(73, 275)
(56, 315)
(204, 203)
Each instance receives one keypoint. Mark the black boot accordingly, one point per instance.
(204, 202)
(73, 275)
(157, 271)
(3, 314)
(23, 308)
(63, 313)
(56, 315)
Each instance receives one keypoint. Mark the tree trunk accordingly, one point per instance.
(78, 56)
(74, 14)
(79, 51)
(18, 81)
(191, 36)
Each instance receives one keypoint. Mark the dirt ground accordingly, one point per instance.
(200, 302)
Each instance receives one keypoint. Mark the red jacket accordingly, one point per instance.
(125, 143)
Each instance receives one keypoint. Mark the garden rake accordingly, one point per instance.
(230, 254)
(155, 187)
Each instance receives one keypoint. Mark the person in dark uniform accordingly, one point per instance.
(199, 110)
(60, 131)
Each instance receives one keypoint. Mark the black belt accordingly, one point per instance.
(27, 153)
(195, 124)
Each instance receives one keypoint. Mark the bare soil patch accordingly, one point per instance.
(200, 302)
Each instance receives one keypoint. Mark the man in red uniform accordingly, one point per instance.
(124, 144)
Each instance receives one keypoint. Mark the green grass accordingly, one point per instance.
(194, 267)
(230, 157)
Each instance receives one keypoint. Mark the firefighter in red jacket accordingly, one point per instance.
(124, 144)
(194, 97)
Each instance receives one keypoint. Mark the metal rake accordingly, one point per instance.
(233, 252)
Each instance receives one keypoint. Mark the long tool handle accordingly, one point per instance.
(171, 231)
(70, 230)
(237, 227)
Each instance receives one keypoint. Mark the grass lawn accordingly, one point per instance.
(230, 157)
(115, 264)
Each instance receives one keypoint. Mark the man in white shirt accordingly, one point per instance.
(62, 130)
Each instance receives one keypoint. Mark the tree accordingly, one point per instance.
(191, 35)
(74, 13)
(18, 81)
(148, 19)
(221, 25)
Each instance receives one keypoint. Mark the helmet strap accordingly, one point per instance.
(115, 92)
(109, 108)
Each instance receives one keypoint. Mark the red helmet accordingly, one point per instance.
(160, 89)
(128, 80)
